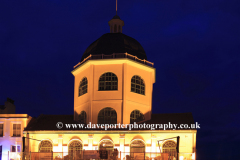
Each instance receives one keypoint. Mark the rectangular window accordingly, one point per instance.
(16, 130)
(1, 130)
(13, 148)
(0, 152)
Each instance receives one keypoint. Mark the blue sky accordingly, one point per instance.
(194, 44)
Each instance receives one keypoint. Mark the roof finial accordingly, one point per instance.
(116, 23)
(116, 7)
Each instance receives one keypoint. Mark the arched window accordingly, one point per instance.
(108, 81)
(83, 86)
(170, 148)
(106, 145)
(136, 116)
(119, 29)
(82, 117)
(107, 116)
(74, 149)
(137, 85)
(115, 28)
(45, 146)
(137, 146)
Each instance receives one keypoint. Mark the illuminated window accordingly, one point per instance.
(136, 116)
(108, 81)
(83, 86)
(106, 145)
(170, 148)
(82, 118)
(137, 85)
(13, 148)
(1, 130)
(16, 130)
(74, 149)
(107, 116)
(45, 146)
(137, 146)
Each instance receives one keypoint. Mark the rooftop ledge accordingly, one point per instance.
(115, 56)
(14, 115)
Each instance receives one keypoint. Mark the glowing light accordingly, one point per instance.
(193, 156)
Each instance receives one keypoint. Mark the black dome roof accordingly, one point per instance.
(110, 43)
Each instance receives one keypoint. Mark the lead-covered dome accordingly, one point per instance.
(110, 43)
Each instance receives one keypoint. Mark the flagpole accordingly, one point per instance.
(116, 7)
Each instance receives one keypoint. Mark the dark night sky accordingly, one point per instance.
(194, 44)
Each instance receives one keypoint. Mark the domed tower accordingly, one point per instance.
(113, 81)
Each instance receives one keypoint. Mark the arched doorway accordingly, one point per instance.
(137, 146)
(45, 146)
(170, 148)
(106, 145)
(75, 149)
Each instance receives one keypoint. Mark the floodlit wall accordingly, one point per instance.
(122, 100)
(8, 140)
(121, 140)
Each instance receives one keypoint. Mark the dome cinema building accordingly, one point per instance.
(113, 110)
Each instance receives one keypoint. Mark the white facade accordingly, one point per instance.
(13, 126)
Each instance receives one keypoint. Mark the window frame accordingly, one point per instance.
(74, 149)
(2, 130)
(138, 87)
(48, 151)
(83, 87)
(136, 116)
(106, 141)
(107, 117)
(14, 150)
(172, 151)
(16, 130)
(137, 149)
(84, 114)
(108, 82)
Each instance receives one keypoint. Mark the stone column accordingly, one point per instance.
(90, 141)
(60, 142)
(154, 143)
(122, 142)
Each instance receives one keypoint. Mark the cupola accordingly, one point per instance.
(116, 23)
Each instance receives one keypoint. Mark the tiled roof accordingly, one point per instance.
(174, 118)
(48, 122)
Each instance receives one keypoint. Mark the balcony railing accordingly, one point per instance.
(81, 155)
(115, 56)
